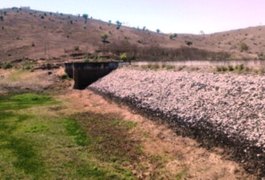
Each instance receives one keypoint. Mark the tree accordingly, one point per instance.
(85, 16)
(243, 47)
(202, 32)
(109, 22)
(173, 36)
(123, 56)
(104, 38)
(158, 31)
(189, 43)
(118, 24)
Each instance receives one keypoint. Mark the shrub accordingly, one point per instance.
(189, 43)
(118, 24)
(64, 77)
(230, 68)
(76, 48)
(7, 65)
(85, 16)
(221, 69)
(168, 66)
(173, 36)
(240, 67)
(123, 56)
(1, 18)
(243, 47)
(152, 66)
(104, 38)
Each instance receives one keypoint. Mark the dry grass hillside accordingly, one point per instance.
(36, 35)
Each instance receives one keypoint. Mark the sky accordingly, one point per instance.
(169, 16)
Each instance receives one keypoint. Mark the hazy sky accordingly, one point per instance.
(170, 16)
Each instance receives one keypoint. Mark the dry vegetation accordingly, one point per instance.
(36, 35)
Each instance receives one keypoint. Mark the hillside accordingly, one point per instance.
(36, 35)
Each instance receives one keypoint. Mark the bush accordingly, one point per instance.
(118, 24)
(173, 36)
(230, 68)
(7, 65)
(85, 16)
(76, 48)
(104, 38)
(64, 77)
(221, 69)
(243, 47)
(189, 43)
(123, 56)
(240, 67)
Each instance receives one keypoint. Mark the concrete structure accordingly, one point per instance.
(85, 73)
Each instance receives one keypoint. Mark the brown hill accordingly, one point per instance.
(30, 34)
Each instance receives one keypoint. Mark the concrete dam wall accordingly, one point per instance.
(85, 74)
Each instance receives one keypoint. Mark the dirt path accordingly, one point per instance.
(181, 156)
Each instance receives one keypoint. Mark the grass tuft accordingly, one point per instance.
(75, 130)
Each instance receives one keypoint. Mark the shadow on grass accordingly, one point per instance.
(110, 137)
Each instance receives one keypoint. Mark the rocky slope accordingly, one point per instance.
(226, 108)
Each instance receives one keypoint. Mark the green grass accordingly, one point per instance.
(39, 143)
(22, 101)
(75, 130)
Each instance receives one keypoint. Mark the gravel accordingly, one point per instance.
(227, 105)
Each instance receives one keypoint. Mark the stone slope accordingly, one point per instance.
(228, 108)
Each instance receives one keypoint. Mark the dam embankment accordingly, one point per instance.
(223, 109)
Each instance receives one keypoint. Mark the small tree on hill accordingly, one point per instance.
(104, 37)
(243, 47)
(158, 31)
(189, 43)
(123, 56)
(173, 36)
(85, 16)
(118, 24)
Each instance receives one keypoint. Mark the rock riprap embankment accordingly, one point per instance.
(229, 107)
